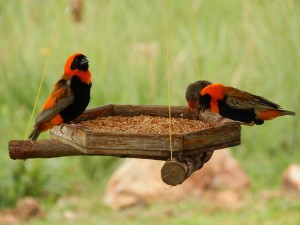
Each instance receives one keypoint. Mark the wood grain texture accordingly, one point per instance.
(106, 110)
(176, 171)
(40, 149)
(51, 148)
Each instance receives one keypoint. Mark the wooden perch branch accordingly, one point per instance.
(51, 148)
(172, 173)
(176, 171)
(41, 149)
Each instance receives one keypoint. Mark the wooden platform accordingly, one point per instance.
(149, 146)
(191, 150)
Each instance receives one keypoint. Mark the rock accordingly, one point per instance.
(9, 217)
(228, 199)
(69, 215)
(28, 207)
(138, 181)
(291, 180)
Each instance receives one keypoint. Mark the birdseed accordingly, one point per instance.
(143, 125)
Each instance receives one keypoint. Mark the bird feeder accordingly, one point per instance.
(184, 154)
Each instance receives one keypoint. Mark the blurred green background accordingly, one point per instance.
(252, 45)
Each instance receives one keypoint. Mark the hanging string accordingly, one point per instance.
(168, 78)
(51, 43)
(195, 39)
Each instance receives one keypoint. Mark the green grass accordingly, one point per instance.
(255, 210)
(252, 45)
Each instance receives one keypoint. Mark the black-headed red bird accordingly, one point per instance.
(239, 105)
(69, 98)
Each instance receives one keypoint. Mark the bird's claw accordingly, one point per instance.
(201, 108)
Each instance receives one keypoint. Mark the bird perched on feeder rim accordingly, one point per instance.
(69, 98)
(236, 104)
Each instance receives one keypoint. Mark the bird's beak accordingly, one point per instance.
(191, 106)
(191, 109)
(84, 61)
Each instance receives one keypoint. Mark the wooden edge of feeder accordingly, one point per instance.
(89, 141)
(153, 110)
(105, 110)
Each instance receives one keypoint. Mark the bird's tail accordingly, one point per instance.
(286, 112)
(35, 134)
(271, 114)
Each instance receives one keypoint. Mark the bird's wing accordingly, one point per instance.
(239, 99)
(61, 97)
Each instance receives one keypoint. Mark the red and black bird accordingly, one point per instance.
(69, 98)
(234, 104)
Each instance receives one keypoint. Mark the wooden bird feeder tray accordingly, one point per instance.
(190, 150)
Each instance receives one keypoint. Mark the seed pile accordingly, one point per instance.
(143, 125)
